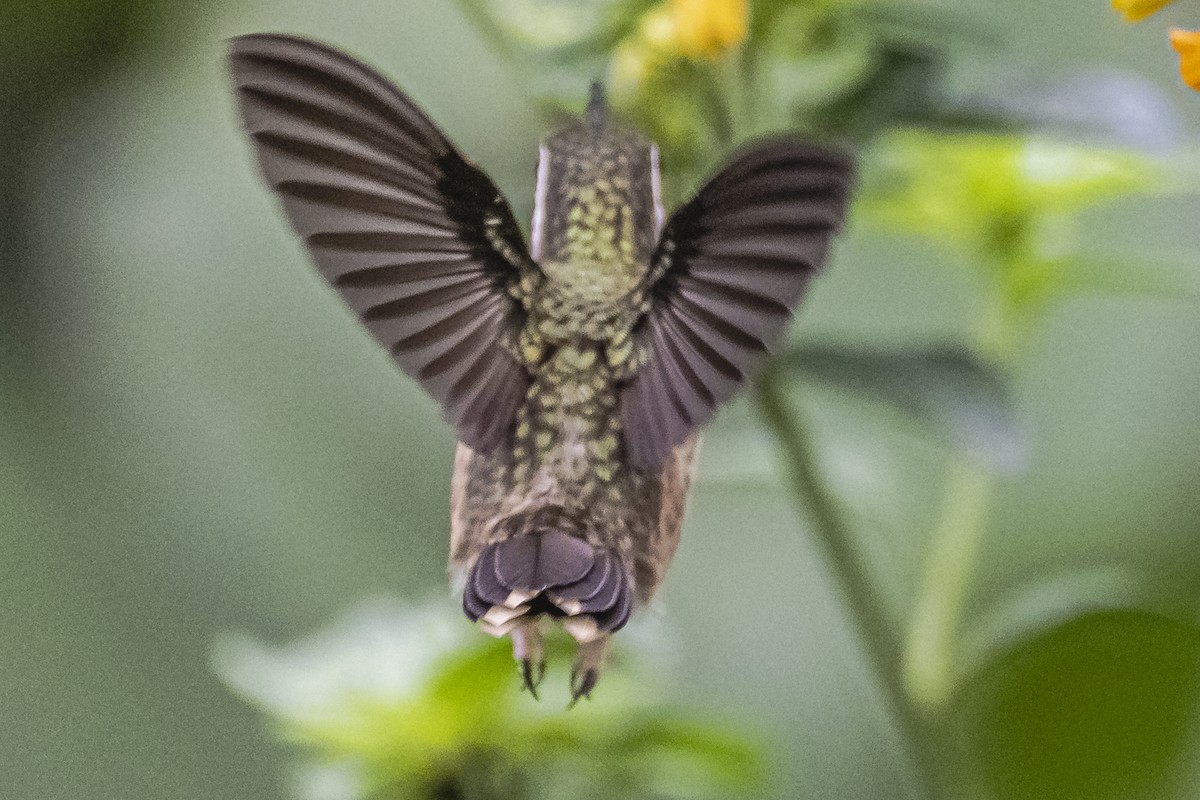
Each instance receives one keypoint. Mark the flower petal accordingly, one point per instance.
(709, 28)
(1187, 44)
(1136, 10)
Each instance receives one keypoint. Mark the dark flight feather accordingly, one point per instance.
(418, 241)
(730, 267)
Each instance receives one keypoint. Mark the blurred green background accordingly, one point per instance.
(195, 437)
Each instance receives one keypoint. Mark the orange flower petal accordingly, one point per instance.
(1135, 10)
(1187, 44)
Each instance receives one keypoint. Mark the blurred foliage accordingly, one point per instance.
(978, 191)
(1101, 705)
(947, 390)
(395, 702)
(1009, 205)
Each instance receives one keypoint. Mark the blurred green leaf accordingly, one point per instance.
(473, 676)
(410, 703)
(946, 389)
(856, 69)
(983, 191)
(1099, 706)
(689, 760)
(1010, 203)
(897, 86)
(811, 77)
(1152, 277)
(1045, 605)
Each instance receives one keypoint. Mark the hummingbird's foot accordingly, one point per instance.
(530, 655)
(585, 674)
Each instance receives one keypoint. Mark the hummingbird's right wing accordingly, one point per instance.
(730, 267)
(418, 241)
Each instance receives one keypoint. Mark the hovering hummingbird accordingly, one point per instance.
(577, 371)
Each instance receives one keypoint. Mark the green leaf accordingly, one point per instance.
(687, 759)
(1149, 278)
(474, 677)
(798, 84)
(1046, 604)
(1100, 706)
(946, 389)
(402, 703)
(977, 191)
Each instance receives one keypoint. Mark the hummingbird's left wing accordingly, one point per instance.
(416, 239)
(730, 267)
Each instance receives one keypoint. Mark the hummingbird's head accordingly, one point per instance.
(598, 204)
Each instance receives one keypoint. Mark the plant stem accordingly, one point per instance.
(931, 649)
(875, 628)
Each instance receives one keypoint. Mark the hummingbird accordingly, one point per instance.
(577, 370)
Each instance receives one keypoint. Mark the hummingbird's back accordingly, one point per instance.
(597, 208)
(596, 219)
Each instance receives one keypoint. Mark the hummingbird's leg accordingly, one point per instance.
(529, 653)
(589, 660)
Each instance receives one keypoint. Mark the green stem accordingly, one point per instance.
(875, 628)
(931, 650)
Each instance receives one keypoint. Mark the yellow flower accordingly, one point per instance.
(639, 57)
(709, 28)
(678, 29)
(1187, 44)
(1135, 10)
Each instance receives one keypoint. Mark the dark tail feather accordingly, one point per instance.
(535, 562)
(552, 573)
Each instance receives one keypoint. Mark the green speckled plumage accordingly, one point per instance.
(594, 238)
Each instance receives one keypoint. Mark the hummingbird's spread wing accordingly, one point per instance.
(418, 241)
(730, 267)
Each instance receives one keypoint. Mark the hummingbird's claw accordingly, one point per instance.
(531, 675)
(586, 673)
(530, 655)
(582, 683)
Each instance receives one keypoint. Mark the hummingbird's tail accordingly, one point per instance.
(544, 567)
(553, 573)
